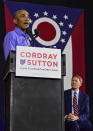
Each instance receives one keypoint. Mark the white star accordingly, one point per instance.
(65, 17)
(63, 40)
(64, 32)
(54, 47)
(36, 15)
(30, 21)
(54, 17)
(45, 13)
(70, 25)
(61, 23)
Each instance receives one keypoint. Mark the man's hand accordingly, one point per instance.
(72, 117)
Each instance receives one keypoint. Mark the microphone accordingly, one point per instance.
(32, 36)
(28, 31)
(36, 33)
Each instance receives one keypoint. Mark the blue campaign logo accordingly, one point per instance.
(22, 61)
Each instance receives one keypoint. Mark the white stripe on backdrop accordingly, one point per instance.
(68, 52)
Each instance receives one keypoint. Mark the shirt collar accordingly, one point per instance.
(76, 91)
(19, 32)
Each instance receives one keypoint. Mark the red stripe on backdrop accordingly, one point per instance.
(78, 50)
(8, 19)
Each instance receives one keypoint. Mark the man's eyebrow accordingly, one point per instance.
(24, 14)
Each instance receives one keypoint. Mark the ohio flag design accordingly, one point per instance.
(60, 27)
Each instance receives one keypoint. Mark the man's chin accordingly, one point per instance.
(73, 88)
(25, 27)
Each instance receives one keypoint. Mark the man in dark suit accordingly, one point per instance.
(76, 107)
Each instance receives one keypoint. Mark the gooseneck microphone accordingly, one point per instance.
(32, 36)
(36, 33)
(28, 31)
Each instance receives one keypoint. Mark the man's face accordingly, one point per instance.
(75, 83)
(22, 20)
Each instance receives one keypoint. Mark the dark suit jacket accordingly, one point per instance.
(83, 104)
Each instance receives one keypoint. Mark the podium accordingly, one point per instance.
(33, 104)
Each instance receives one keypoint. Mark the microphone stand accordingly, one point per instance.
(32, 36)
(28, 31)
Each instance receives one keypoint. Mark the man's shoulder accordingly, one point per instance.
(84, 94)
(67, 94)
(10, 34)
(67, 91)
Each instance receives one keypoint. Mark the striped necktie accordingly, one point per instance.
(75, 106)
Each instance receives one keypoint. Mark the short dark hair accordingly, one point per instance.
(17, 12)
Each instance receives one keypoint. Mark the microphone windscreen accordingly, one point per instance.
(36, 32)
(28, 31)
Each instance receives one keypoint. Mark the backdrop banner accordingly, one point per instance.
(60, 27)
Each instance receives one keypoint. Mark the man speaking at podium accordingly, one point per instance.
(18, 37)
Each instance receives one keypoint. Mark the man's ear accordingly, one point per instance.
(15, 21)
(80, 84)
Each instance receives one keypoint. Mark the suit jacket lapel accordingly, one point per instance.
(70, 100)
(80, 100)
